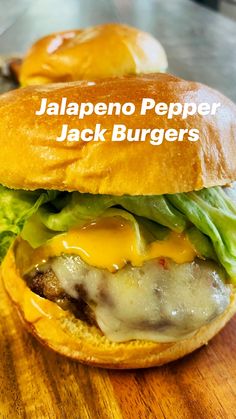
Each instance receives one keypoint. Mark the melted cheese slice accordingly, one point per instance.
(108, 243)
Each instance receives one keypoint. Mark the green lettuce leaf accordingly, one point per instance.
(208, 216)
(79, 209)
(36, 233)
(16, 207)
(214, 214)
(231, 192)
(151, 230)
(156, 208)
(201, 244)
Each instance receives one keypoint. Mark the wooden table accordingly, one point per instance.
(38, 384)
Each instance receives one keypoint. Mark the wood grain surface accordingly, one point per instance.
(36, 383)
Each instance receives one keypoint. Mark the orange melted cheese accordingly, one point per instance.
(110, 243)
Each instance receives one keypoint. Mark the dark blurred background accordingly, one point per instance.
(226, 7)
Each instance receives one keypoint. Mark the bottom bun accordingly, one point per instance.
(65, 334)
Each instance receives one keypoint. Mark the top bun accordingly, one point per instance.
(108, 50)
(31, 158)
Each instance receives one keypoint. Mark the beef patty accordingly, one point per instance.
(45, 283)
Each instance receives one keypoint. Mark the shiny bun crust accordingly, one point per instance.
(31, 158)
(62, 332)
(96, 52)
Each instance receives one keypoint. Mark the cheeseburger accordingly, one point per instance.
(119, 254)
(107, 50)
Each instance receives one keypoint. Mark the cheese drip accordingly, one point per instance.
(107, 243)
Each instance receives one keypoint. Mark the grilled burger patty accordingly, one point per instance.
(45, 283)
(160, 301)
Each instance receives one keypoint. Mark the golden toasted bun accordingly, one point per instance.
(95, 52)
(62, 332)
(31, 157)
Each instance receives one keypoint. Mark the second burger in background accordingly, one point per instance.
(107, 50)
